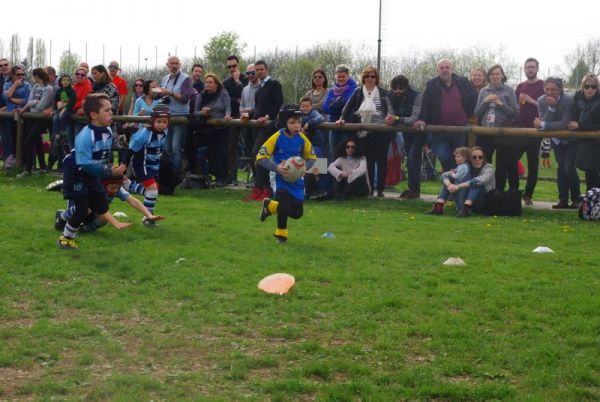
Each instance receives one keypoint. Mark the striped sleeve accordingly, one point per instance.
(308, 151)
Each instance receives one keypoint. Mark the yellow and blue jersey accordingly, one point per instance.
(280, 147)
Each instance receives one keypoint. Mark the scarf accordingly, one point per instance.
(339, 90)
(367, 108)
(207, 98)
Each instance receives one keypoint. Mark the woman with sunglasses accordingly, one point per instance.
(82, 87)
(318, 91)
(41, 98)
(483, 181)
(15, 93)
(585, 115)
(138, 92)
(369, 103)
(350, 171)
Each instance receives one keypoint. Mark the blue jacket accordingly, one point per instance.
(333, 105)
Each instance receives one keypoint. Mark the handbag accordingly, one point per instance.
(393, 175)
(503, 203)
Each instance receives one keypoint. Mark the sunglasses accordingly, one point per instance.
(372, 76)
(250, 72)
(138, 85)
(477, 157)
(232, 66)
(590, 87)
(80, 74)
(4, 65)
(350, 147)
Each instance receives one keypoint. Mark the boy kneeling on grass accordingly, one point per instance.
(85, 167)
(285, 143)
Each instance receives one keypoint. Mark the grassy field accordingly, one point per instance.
(174, 313)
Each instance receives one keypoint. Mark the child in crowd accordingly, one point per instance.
(64, 100)
(458, 175)
(285, 143)
(87, 165)
(145, 151)
(318, 187)
(93, 222)
(545, 149)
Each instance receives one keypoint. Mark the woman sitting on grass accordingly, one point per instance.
(473, 191)
(350, 171)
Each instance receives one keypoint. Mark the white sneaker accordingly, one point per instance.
(24, 173)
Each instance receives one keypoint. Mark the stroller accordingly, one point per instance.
(428, 161)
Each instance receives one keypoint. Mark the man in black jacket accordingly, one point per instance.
(234, 85)
(448, 100)
(269, 99)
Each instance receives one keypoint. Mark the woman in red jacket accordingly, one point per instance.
(83, 88)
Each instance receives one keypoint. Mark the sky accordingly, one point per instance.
(522, 28)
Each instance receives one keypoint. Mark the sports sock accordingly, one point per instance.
(94, 225)
(150, 197)
(70, 231)
(67, 213)
(281, 233)
(272, 207)
(137, 188)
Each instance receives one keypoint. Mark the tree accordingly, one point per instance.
(2, 48)
(39, 59)
(68, 62)
(15, 48)
(218, 48)
(587, 55)
(30, 52)
(577, 74)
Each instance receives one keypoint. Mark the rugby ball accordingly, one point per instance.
(296, 168)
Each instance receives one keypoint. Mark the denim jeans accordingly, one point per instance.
(9, 137)
(443, 145)
(566, 174)
(459, 197)
(413, 146)
(60, 122)
(174, 145)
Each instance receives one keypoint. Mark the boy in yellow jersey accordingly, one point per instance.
(288, 141)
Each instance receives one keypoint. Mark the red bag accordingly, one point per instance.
(393, 175)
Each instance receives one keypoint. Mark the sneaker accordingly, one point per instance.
(24, 173)
(527, 200)
(436, 209)
(266, 193)
(280, 239)
(254, 195)
(59, 222)
(410, 195)
(318, 195)
(561, 205)
(149, 223)
(264, 212)
(66, 243)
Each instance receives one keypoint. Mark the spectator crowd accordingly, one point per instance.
(354, 164)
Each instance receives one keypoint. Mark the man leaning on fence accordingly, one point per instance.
(448, 100)
(176, 88)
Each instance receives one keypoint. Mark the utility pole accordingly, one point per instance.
(156, 57)
(50, 63)
(379, 41)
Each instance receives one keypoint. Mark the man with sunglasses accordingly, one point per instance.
(247, 109)
(234, 84)
(528, 93)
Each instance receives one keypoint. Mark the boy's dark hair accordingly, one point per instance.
(262, 63)
(305, 99)
(93, 102)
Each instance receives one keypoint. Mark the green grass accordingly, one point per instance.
(374, 315)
